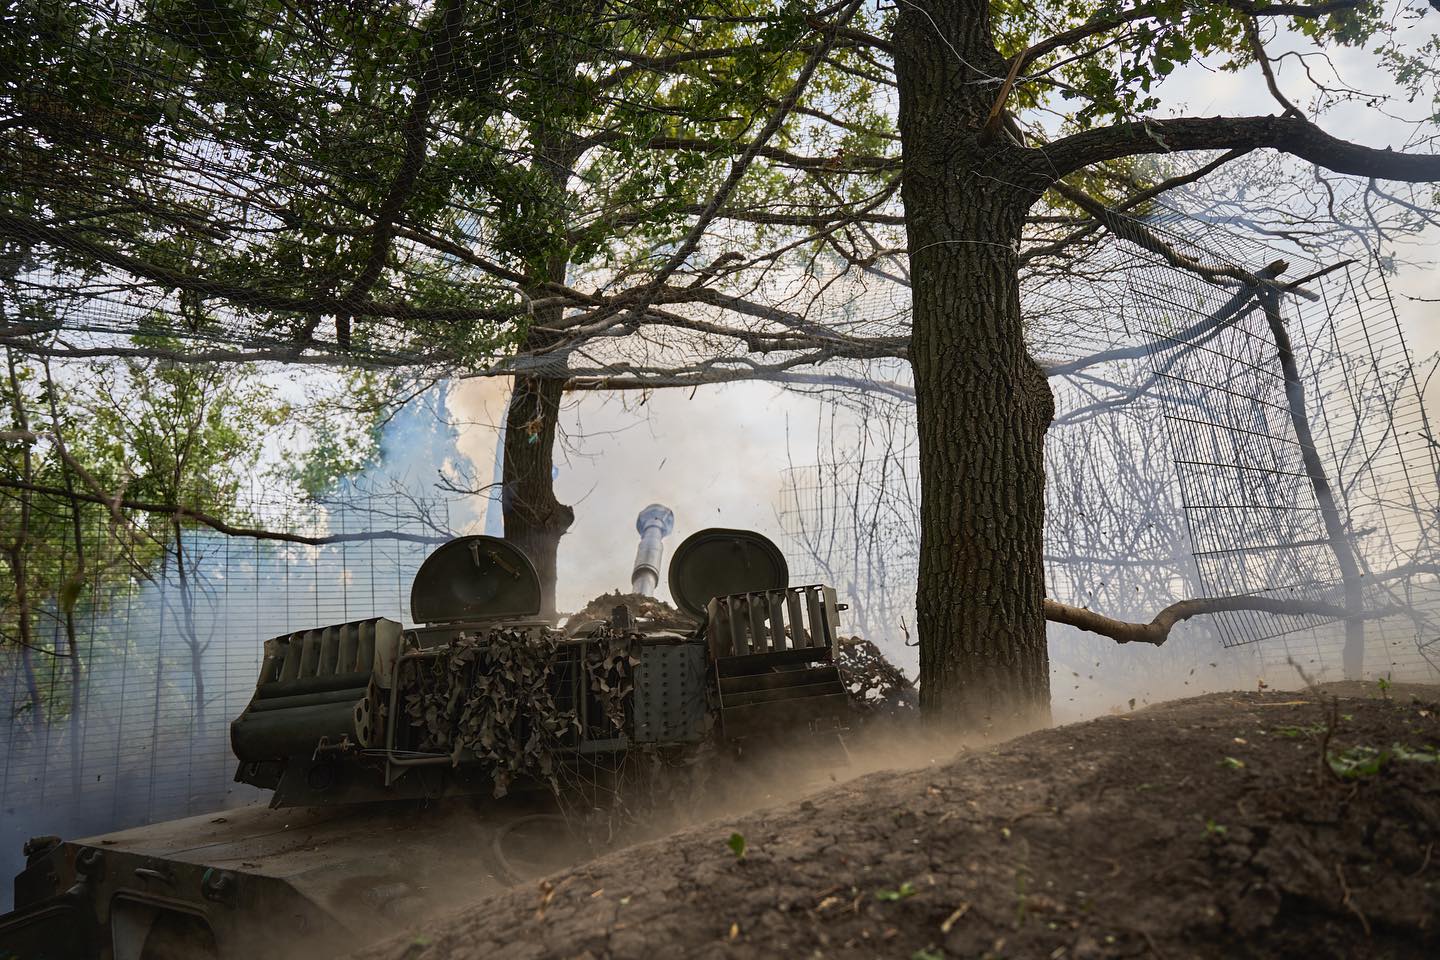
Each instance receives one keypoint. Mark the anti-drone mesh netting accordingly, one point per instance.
(167, 656)
(1256, 517)
(1175, 467)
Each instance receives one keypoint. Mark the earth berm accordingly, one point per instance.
(1232, 825)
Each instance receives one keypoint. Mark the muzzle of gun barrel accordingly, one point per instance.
(653, 524)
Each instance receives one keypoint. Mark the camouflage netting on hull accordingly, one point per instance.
(879, 688)
(500, 699)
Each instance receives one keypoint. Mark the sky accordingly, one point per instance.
(716, 457)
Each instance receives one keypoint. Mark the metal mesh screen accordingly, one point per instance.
(1174, 468)
(1254, 513)
(138, 727)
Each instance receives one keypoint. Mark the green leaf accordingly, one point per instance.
(1422, 755)
(1358, 763)
(736, 843)
(902, 892)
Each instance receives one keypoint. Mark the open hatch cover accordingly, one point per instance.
(475, 578)
(717, 563)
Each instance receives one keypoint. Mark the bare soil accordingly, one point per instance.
(1209, 827)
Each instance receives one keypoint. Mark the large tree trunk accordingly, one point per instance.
(535, 519)
(982, 404)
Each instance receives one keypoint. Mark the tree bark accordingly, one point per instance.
(982, 403)
(1157, 631)
(19, 551)
(535, 519)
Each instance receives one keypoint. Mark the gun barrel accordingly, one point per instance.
(653, 524)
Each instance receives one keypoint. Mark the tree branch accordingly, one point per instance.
(741, 164)
(1146, 11)
(1157, 631)
(1293, 135)
(215, 523)
(436, 62)
(77, 242)
(1133, 230)
(1257, 50)
(797, 380)
(1130, 202)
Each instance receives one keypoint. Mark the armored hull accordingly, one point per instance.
(258, 881)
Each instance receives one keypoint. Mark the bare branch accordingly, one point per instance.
(1157, 631)
(179, 512)
(1257, 49)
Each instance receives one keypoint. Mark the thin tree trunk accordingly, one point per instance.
(982, 404)
(1353, 654)
(534, 519)
(189, 633)
(19, 548)
(32, 687)
(74, 584)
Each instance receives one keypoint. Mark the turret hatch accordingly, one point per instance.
(718, 562)
(475, 578)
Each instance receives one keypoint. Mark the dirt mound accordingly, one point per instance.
(641, 607)
(1210, 827)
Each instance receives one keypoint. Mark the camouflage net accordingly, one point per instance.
(496, 699)
(610, 664)
(879, 688)
(508, 701)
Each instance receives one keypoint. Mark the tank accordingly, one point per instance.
(411, 766)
